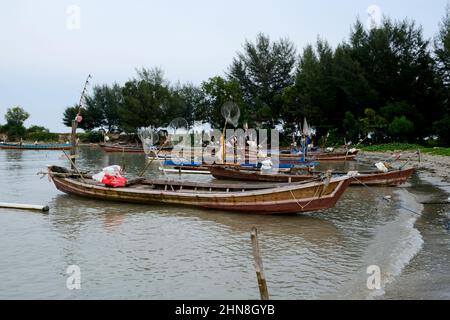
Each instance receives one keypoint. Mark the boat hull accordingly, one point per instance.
(35, 147)
(332, 156)
(131, 149)
(286, 199)
(390, 179)
(126, 149)
(221, 172)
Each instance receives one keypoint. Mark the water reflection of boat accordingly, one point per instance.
(69, 215)
(311, 229)
(255, 199)
(17, 146)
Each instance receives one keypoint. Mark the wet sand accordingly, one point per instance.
(433, 166)
(426, 275)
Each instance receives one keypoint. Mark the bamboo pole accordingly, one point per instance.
(259, 266)
(224, 151)
(73, 141)
(73, 138)
(24, 206)
(151, 161)
(74, 166)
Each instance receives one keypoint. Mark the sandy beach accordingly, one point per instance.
(430, 165)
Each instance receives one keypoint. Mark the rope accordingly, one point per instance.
(315, 195)
(384, 198)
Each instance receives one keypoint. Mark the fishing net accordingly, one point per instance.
(306, 129)
(178, 126)
(149, 137)
(231, 113)
(179, 138)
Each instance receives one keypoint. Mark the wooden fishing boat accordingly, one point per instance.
(185, 170)
(238, 174)
(121, 148)
(110, 148)
(54, 146)
(392, 178)
(256, 199)
(371, 178)
(319, 156)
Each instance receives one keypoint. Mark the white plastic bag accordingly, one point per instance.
(266, 165)
(381, 167)
(115, 171)
(353, 173)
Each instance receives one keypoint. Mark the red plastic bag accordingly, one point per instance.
(112, 181)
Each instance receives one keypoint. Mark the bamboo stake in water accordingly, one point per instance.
(259, 266)
(24, 206)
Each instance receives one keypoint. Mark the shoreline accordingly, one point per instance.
(432, 171)
(437, 167)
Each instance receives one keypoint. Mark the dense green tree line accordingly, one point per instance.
(15, 129)
(390, 82)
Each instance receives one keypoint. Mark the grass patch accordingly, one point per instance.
(392, 147)
(407, 147)
(437, 151)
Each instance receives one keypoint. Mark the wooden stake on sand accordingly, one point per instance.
(259, 266)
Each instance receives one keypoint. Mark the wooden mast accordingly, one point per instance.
(73, 141)
(73, 138)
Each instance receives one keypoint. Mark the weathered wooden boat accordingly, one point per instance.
(185, 169)
(111, 148)
(53, 146)
(247, 174)
(254, 199)
(392, 178)
(188, 168)
(121, 148)
(319, 156)
(370, 178)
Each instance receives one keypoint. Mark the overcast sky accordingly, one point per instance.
(45, 54)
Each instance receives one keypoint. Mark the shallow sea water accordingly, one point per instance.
(162, 252)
